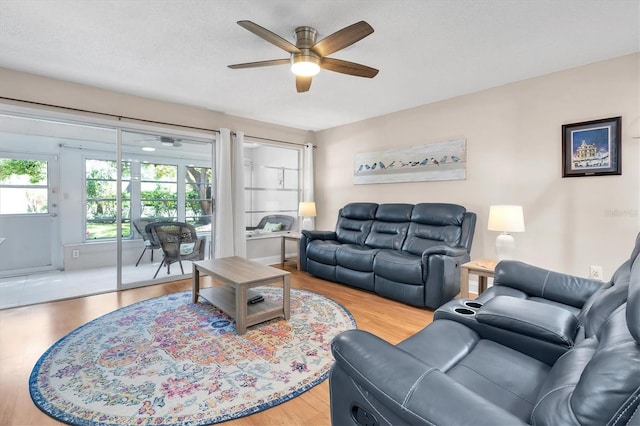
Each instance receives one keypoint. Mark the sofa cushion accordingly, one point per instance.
(399, 266)
(410, 294)
(323, 251)
(351, 231)
(389, 235)
(390, 227)
(394, 212)
(593, 382)
(434, 224)
(511, 383)
(439, 214)
(421, 237)
(356, 257)
(363, 280)
(460, 342)
(542, 283)
(354, 222)
(359, 211)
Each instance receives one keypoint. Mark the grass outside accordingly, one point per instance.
(106, 230)
(98, 230)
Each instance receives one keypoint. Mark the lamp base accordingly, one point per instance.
(505, 246)
(307, 224)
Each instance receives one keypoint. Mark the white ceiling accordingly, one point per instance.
(426, 50)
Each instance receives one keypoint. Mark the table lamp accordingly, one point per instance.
(307, 210)
(505, 219)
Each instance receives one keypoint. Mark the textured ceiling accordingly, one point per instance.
(426, 50)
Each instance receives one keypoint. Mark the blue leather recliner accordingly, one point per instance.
(411, 253)
(542, 349)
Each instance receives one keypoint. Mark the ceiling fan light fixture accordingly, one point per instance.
(305, 65)
(167, 141)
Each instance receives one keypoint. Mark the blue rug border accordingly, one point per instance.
(64, 417)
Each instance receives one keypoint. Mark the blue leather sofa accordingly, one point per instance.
(411, 253)
(556, 350)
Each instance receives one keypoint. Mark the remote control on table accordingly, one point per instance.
(255, 299)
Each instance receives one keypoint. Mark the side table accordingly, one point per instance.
(483, 268)
(295, 237)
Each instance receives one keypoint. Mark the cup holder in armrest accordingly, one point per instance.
(460, 310)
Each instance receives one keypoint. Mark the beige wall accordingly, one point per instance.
(513, 135)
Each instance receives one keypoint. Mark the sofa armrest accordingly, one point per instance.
(416, 392)
(445, 250)
(441, 273)
(538, 320)
(319, 235)
(539, 282)
(306, 237)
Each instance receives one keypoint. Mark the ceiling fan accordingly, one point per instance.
(164, 141)
(167, 141)
(307, 56)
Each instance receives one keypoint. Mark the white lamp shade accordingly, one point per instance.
(307, 209)
(506, 218)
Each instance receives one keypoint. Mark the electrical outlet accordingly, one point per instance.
(75, 254)
(595, 272)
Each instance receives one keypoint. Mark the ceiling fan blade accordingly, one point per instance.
(303, 83)
(269, 36)
(342, 38)
(261, 64)
(346, 67)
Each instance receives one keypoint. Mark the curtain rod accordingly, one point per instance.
(273, 140)
(121, 117)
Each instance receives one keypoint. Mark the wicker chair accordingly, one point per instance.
(178, 240)
(149, 243)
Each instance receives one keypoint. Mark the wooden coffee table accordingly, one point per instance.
(238, 275)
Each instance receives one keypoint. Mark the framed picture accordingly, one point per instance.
(592, 148)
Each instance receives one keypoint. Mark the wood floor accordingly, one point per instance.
(26, 332)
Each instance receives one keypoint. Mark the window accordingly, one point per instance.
(101, 205)
(272, 182)
(23, 186)
(159, 191)
(198, 203)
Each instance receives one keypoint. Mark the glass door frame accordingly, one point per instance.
(197, 137)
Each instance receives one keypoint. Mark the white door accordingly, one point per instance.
(29, 239)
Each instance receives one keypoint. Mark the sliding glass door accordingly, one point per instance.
(164, 179)
(75, 198)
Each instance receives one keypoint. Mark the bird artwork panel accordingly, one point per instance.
(429, 162)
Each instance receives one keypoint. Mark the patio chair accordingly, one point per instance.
(178, 241)
(140, 224)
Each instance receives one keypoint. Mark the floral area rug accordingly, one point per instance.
(167, 361)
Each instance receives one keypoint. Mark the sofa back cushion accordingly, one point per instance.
(596, 382)
(390, 227)
(599, 306)
(434, 224)
(354, 222)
